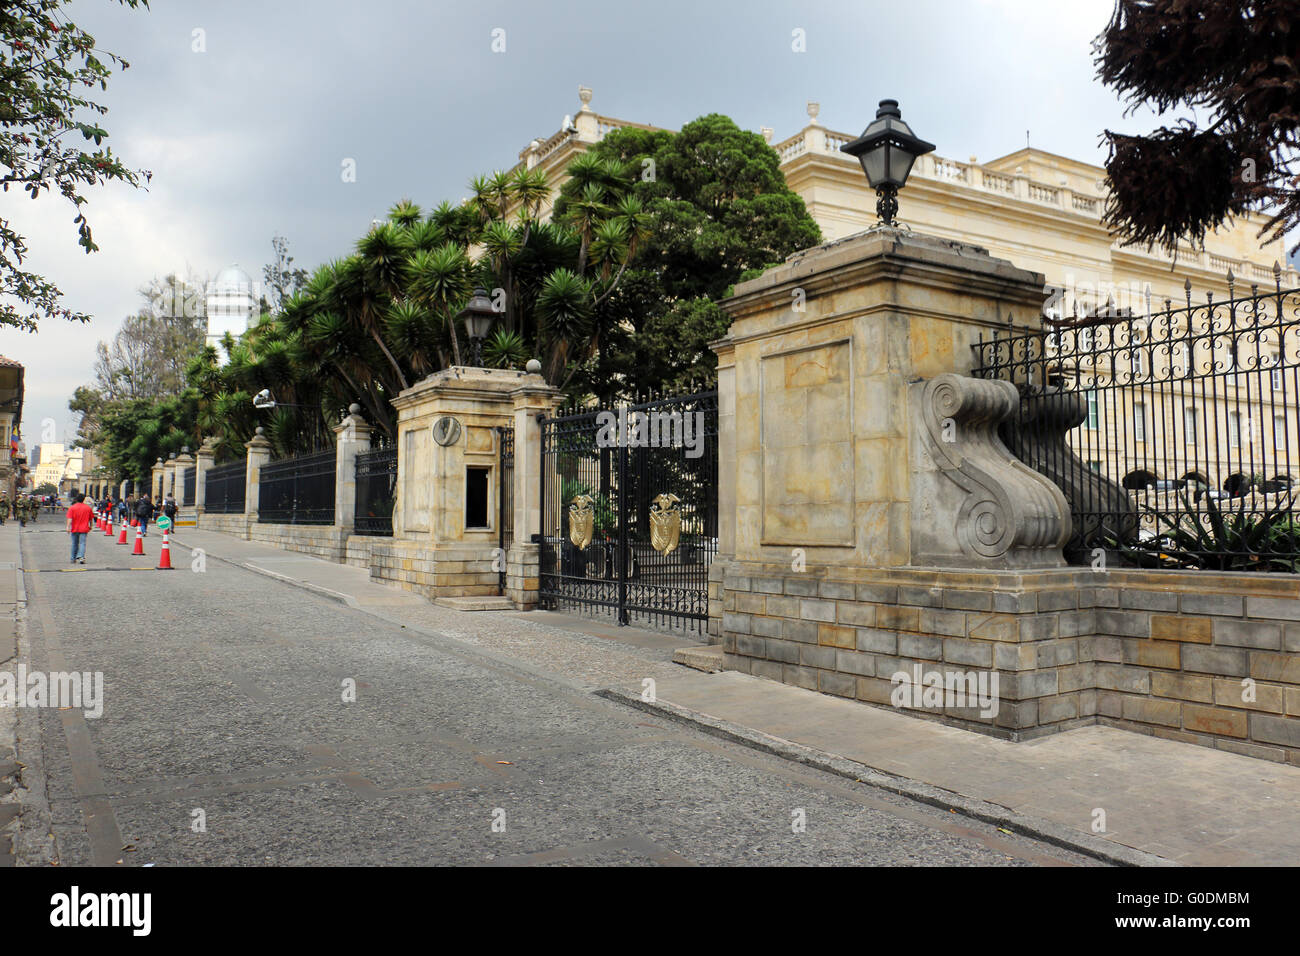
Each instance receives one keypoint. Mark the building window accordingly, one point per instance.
(1234, 429)
(1093, 414)
(476, 497)
(1189, 424)
(1277, 378)
(1279, 431)
(1139, 422)
(1137, 363)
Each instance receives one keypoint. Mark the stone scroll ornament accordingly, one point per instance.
(1101, 511)
(582, 521)
(1007, 505)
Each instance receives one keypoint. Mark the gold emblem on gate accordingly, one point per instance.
(665, 523)
(582, 521)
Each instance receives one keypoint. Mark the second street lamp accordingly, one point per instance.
(887, 149)
(478, 315)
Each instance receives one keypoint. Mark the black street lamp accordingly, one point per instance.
(478, 315)
(886, 149)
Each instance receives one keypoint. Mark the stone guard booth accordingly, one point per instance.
(447, 518)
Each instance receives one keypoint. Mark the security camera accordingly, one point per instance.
(263, 399)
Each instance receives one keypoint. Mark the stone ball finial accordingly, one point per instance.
(172, 456)
(258, 430)
(354, 409)
(185, 449)
(533, 366)
(584, 94)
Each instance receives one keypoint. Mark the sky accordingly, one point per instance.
(247, 112)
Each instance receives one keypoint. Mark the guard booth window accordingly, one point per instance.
(476, 497)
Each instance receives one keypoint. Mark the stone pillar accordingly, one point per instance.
(183, 464)
(169, 476)
(523, 557)
(861, 475)
(156, 480)
(259, 453)
(351, 437)
(203, 459)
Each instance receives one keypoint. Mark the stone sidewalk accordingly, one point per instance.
(10, 595)
(1170, 801)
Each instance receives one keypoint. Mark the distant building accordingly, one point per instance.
(232, 303)
(13, 455)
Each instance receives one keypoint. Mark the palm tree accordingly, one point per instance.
(440, 282)
(349, 291)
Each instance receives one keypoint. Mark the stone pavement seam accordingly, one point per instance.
(992, 813)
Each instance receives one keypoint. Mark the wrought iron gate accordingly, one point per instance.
(629, 504)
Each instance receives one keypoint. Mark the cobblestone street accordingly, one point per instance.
(224, 705)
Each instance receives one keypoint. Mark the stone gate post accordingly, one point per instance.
(203, 459)
(259, 453)
(351, 438)
(531, 401)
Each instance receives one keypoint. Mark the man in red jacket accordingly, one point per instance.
(79, 518)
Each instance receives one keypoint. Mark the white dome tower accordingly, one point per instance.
(232, 303)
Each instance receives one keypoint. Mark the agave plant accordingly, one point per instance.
(505, 349)
(1212, 539)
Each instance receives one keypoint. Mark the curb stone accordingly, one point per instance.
(1043, 830)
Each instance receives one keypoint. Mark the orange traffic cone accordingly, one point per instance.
(139, 542)
(108, 528)
(165, 556)
(121, 538)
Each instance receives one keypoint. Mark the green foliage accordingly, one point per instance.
(505, 349)
(48, 126)
(716, 209)
(1233, 62)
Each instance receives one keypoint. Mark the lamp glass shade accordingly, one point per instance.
(477, 324)
(900, 165)
(875, 163)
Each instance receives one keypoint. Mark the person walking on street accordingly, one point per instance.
(144, 511)
(78, 522)
(169, 508)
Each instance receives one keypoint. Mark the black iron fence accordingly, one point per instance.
(1174, 434)
(223, 488)
(298, 490)
(188, 486)
(376, 491)
(630, 510)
